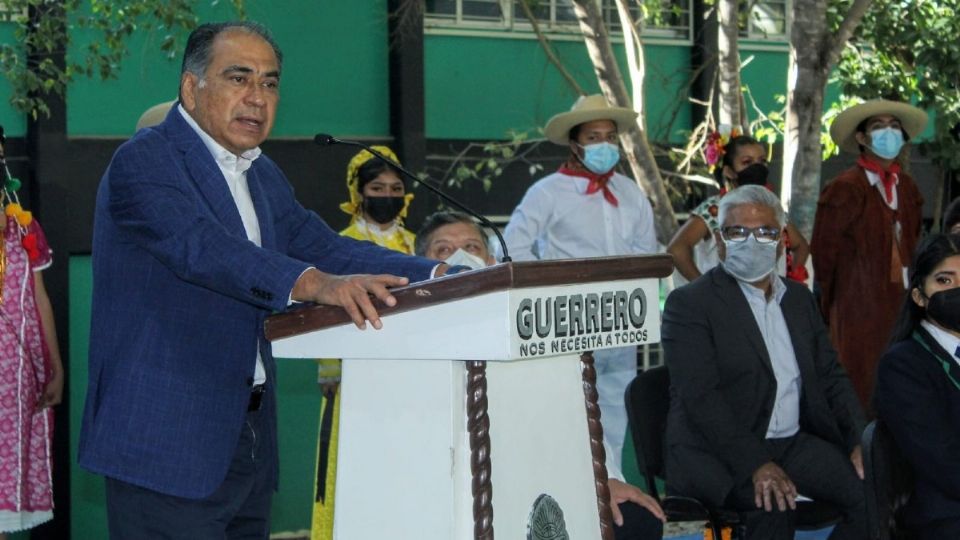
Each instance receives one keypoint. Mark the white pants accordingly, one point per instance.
(615, 369)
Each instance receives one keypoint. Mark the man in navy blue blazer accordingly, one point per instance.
(197, 238)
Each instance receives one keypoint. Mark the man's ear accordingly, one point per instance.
(861, 138)
(918, 298)
(188, 91)
(721, 247)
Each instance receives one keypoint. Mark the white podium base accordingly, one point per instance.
(401, 419)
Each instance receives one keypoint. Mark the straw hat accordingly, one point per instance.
(154, 115)
(844, 128)
(587, 109)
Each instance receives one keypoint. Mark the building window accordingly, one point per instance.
(466, 11)
(10, 13)
(660, 18)
(764, 19)
(550, 13)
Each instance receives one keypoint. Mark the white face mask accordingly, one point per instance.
(750, 261)
(464, 258)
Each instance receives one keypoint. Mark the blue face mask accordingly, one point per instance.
(749, 260)
(599, 158)
(886, 142)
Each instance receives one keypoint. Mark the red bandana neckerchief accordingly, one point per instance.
(887, 176)
(598, 182)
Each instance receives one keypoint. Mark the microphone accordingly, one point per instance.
(324, 139)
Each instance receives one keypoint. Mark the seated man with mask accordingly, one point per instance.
(458, 240)
(760, 410)
(454, 236)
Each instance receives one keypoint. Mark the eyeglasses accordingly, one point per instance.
(738, 233)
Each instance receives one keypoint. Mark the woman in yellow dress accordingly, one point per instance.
(378, 203)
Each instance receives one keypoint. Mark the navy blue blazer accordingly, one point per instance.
(179, 299)
(723, 389)
(921, 407)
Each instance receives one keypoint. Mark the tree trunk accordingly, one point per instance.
(635, 61)
(801, 147)
(813, 53)
(635, 143)
(731, 110)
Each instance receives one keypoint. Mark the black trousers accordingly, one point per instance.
(821, 471)
(948, 528)
(638, 524)
(238, 509)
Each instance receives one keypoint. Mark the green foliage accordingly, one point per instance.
(836, 11)
(43, 32)
(908, 51)
(492, 159)
(829, 147)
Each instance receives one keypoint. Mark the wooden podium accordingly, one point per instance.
(473, 411)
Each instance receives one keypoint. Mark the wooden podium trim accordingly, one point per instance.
(478, 426)
(600, 477)
(500, 277)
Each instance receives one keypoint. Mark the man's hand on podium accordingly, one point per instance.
(352, 293)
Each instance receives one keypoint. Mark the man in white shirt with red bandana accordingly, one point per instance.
(587, 209)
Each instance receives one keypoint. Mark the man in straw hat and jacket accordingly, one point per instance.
(587, 209)
(864, 234)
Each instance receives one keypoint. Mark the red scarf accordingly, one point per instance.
(887, 176)
(598, 182)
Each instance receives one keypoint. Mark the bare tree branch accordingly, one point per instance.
(548, 50)
(731, 108)
(635, 61)
(838, 41)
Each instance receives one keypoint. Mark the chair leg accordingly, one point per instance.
(716, 529)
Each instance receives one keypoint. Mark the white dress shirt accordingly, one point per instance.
(234, 169)
(875, 181)
(785, 419)
(557, 220)
(945, 339)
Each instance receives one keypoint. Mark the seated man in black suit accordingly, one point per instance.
(760, 410)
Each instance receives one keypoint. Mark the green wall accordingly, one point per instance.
(14, 123)
(334, 79)
(484, 87)
(87, 510)
(765, 74)
(298, 412)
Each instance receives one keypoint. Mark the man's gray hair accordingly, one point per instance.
(751, 194)
(196, 57)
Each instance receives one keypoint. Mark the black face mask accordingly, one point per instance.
(383, 210)
(944, 307)
(754, 175)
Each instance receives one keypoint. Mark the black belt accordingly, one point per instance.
(256, 397)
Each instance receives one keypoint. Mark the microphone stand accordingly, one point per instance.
(323, 139)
